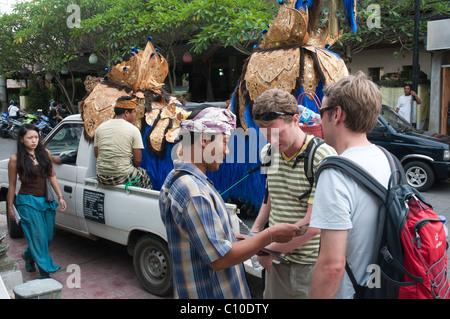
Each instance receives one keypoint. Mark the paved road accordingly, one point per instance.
(107, 269)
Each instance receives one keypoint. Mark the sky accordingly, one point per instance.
(6, 5)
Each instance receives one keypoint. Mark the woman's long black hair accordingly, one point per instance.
(25, 167)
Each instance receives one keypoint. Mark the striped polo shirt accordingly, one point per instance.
(285, 185)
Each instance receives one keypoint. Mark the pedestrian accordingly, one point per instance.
(405, 101)
(13, 110)
(32, 163)
(206, 257)
(62, 112)
(276, 113)
(343, 210)
(54, 114)
(118, 147)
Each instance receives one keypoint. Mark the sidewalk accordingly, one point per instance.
(106, 269)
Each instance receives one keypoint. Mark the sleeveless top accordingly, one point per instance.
(33, 186)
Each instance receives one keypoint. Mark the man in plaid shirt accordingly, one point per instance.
(206, 258)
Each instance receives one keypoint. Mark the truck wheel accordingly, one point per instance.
(419, 175)
(153, 266)
(14, 229)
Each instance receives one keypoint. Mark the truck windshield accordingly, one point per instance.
(397, 122)
(66, 140)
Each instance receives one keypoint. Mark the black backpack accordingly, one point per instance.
(410, 248)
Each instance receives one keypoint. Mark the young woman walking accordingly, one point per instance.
(37, 212)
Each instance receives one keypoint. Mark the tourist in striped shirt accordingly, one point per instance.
(276, 113)
(206, 258)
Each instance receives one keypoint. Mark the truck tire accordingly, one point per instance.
(419, 175)
(153, 265)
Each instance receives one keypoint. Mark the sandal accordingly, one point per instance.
(29, 263)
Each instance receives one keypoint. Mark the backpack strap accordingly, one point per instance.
(359, 174)
(367, 181)
(308, 156)
(177, 175)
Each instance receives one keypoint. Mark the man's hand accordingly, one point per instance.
(282, 232)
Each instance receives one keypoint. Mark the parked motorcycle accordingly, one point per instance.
(4, 126)
(43, 124)
(15, 125)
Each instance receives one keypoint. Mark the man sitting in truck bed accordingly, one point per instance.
(118, 147)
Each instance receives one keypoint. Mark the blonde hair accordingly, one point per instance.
(359, 98)
(276, 100)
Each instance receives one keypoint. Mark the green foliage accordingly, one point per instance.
(37, 31)
(396, 25)
(229, 22)
(39, 98)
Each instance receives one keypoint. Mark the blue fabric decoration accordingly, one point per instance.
(303, 4)
(157, 168)
(250, 191)
(349, 4)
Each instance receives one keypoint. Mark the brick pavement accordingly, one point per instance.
(106, 269)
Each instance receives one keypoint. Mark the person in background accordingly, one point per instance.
(206, 257)
(345, 212)
(13, 110)
(32, 163)
(276, 113)
(118, 147)
(405, 101)
(54, 114)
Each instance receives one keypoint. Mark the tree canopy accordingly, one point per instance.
(52, 34)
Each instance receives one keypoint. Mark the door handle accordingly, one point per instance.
(68, 189)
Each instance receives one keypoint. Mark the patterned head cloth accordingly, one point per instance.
(210, 120)
(127, 104)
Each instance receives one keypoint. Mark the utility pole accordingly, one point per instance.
(415, 75)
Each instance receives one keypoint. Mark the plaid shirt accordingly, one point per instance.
(199, 232)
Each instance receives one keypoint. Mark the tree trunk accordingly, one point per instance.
(209, 89)
(63, 89)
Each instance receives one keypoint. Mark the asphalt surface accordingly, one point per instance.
(106, 269)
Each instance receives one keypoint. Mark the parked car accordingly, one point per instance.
(424, 156)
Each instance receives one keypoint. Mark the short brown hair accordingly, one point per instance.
(359, 98)
(276, 100)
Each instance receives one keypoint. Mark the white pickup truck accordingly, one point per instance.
(125, 215)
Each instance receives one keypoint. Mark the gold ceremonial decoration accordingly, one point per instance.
(288, 28)
(289, 57)
(98, 107)
(145, 70)
(141, 76)
(272, 69)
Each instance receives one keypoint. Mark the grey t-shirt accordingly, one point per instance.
(341, 204)
(116, 139)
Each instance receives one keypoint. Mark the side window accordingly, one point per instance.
(379, 127)
(64, 144)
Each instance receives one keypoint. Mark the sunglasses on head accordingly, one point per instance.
(269, 116)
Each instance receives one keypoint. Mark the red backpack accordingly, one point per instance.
(411, 244)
